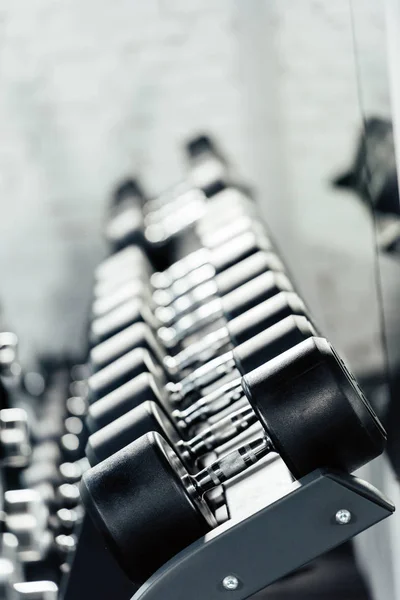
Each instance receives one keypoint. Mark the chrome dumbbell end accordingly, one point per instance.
(36, 590)
(15, 447)
(26, 516)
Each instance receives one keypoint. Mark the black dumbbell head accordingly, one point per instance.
(129, 494)
(120, 371)
(313, 410)
(138, 335)
(129, 190)
(254, 292)
(200, 145)
(143, 419)
(231, 252)
(264, 315)
(133, 311)
(125, 228)
(270, 343)
(120, 401)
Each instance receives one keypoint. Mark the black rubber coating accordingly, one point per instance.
(142, 419)
(130, 191)
(270, 343)
(313, 410)
(254, 292)
(120, 401)
(264, 315)
(137, 500)
(232, 251)
(247, 269)
(133, 311)
(199, 146)
(121, 371)
(138, 335)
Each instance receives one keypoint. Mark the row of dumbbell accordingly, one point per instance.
(56, 466)
(186, 359)
(24, 524)
(41, 503)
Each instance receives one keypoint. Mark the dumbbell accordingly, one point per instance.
(148, 416)
(237, 331)
(149, 507)
(12, 584)
(108, 373)
(226, 206)
(244, 270)
(130, 209)
(217, 249)
(25, 516)
(133, 268)
(227, 307)
(225, 271)
(206, 166)
(129, 264)
(245, 357)
(248, 356)
(15, 444)
(203, 257)
(125, 223)
(238, 218)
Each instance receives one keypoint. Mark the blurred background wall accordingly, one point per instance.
(93, 90)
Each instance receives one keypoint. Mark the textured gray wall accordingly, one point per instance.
(91, 90)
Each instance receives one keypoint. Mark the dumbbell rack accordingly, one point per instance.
(273, 533)
(275, 526)
(244, 556)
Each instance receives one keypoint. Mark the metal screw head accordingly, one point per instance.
(343, 516)
(230, 582)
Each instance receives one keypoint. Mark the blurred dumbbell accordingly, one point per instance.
(136, 309)
(116, 310)
(206, 165)
(139, 335)
(245, 357)
(149, 507)
(12, 584)
(26, 517)
(256, 351)
(132, 263)
(226, 308)
(15, 445)
(144, 417)
(135, 350)
(246, 268)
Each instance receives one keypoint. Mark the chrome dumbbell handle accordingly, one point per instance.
(199, 351)
(220, 432)
(231, 464)
(202, 376)
(211, 404)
